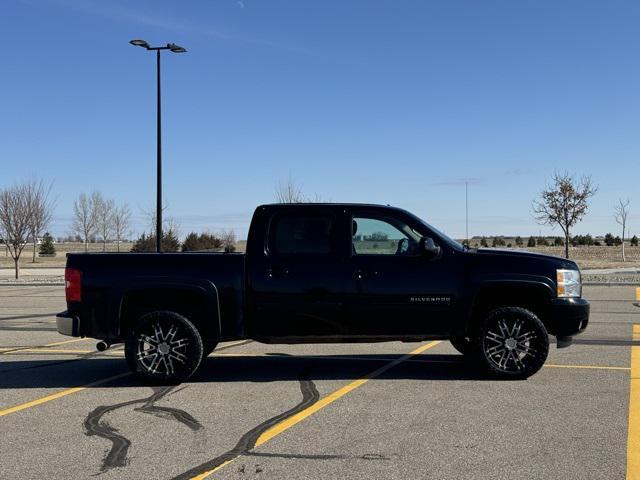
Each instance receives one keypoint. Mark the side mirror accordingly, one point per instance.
(429, 247)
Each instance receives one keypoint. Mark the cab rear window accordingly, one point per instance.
(302, 235)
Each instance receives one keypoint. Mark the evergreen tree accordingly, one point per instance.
(519, 241)
(47, 247)
(558, 242)
(144, 243)
(609, 240)
(202, 242)
(634, 241)
(498, 242)
(483, 242)
(531, 242)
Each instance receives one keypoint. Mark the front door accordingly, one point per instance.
(400, 290)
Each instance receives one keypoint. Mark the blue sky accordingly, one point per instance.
(367, 101)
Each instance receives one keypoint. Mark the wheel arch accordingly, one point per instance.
(533, 295)
(199, 302)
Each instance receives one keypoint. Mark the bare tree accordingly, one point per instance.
(15, 220)
(121, 222)
(168, 222)
(85, 216)
(289, 192)
(41, 208)
(564, 203)
(621, 214)
(228, 238)
(104, 218)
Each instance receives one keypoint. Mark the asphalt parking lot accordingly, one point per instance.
(389, 410)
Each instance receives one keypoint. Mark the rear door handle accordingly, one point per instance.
(276, 272)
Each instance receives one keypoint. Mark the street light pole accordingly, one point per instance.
(159, 162)
(466, 209)
(175, 49)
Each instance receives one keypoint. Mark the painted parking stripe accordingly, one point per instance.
(63, 393)
(55, 344)
(320, 404)
(633, 439)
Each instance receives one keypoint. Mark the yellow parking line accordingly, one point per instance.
(63, 393)
(383, 359)
(48, 350)
(231, 344)
(55, 344)
(633, 439)
(64, 342)
(323, 402)
(593, 367)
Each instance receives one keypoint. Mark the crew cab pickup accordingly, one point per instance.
(326, 273)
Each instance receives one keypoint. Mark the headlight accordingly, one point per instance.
(569, 284)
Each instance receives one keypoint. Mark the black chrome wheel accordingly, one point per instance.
(513, 342)
(164, 347)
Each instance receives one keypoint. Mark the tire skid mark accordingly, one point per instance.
(116, 457)
(168, 412)
(246, 443)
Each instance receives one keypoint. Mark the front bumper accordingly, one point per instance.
(569, 316)
(68, 324)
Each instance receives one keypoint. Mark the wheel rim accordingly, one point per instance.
(160, 352)
(512, 344)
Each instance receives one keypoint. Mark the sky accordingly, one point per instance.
(390, 102)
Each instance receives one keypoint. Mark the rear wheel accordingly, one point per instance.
(512, 343)
(163, 348)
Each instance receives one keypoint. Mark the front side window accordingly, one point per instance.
(302, 235)
(383, 236)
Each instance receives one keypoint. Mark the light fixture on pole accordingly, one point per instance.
(175, 49)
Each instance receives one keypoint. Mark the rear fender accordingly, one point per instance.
(169, 291)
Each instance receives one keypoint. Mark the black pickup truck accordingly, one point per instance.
(326, 273)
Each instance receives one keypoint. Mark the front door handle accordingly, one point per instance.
(361, 274)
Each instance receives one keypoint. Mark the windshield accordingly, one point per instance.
(448, 240)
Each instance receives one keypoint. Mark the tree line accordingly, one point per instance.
(26, 211)
(608, 240)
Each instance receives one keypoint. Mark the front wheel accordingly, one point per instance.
(512, 343)
(163, 348)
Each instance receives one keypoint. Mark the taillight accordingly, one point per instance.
(73, 284)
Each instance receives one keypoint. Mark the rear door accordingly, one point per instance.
(400, 290)
(299, 284)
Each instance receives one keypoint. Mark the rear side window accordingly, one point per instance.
(302, 235)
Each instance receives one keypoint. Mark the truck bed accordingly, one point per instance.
(109, 279)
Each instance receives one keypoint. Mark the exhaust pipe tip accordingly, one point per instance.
(102, 346)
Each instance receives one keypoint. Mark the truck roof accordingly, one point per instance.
(329, 204)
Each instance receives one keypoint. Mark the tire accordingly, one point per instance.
(163, 347)
(461, 344)
(512, 343)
